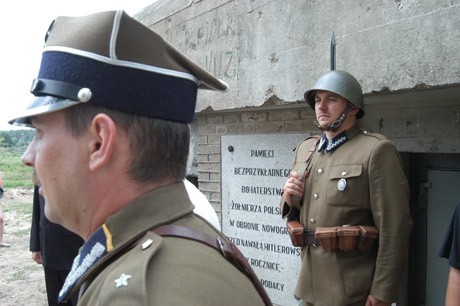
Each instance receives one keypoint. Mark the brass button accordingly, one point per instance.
(315, 196)
(312, 220)
(320, 171)
(344, 173)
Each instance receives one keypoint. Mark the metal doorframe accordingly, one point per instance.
(417, 166)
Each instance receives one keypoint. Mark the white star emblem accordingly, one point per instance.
(122, 280)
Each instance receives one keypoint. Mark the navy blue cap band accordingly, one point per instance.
(123, 88)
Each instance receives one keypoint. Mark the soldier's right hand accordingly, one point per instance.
(293, 187)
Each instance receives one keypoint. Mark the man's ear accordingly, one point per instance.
(103, 133)
(353, 109)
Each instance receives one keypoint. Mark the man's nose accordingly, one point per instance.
(321, 103)
(28, 158)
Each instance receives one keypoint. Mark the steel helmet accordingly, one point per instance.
(341, 83)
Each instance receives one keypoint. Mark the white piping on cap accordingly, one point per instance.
(123, 63)
(114, 35)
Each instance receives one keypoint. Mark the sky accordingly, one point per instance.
(22, 31)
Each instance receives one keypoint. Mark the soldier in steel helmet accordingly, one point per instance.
(349, 194)
(112, 105)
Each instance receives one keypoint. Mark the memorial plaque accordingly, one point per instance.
(254, 170)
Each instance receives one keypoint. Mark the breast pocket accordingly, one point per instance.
(345, 185)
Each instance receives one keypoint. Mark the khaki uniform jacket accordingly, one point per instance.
(162, 270)
(376, 193)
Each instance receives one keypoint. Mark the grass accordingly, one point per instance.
(14, 173)
(20, 212)
(22, 208)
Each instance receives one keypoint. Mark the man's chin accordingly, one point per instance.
(323, 125)
(50, 215)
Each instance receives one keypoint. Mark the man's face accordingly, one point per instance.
(58, 161)
(328, 107)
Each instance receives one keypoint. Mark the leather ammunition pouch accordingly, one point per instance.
(367, 237)
(346, 238)
(327, 237)
(295, 230)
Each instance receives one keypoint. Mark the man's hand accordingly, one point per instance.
(293, 187)
(37, 257)
(373, 301)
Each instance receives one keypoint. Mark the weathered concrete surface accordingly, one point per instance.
(425, 121)
(266, 48)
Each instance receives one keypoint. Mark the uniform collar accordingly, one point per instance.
(160, 206)
(327, 146)
(157, 207)
(90, 253)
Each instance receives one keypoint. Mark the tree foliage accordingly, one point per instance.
(16, 139)
(12, 145)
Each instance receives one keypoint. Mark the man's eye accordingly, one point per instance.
(37, 134)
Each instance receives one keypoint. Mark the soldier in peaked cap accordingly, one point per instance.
(348, 195)
(112, 105)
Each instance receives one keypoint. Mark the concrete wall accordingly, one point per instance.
(266, 48)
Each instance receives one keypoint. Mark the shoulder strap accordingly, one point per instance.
(310, 155)
(312, 148)
(231, 253)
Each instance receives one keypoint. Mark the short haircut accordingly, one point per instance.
(159, 148)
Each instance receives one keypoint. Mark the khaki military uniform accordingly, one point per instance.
(375, 193)
(157, 270)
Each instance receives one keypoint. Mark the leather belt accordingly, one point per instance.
(310, 239)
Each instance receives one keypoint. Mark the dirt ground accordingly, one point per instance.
(21, 279)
